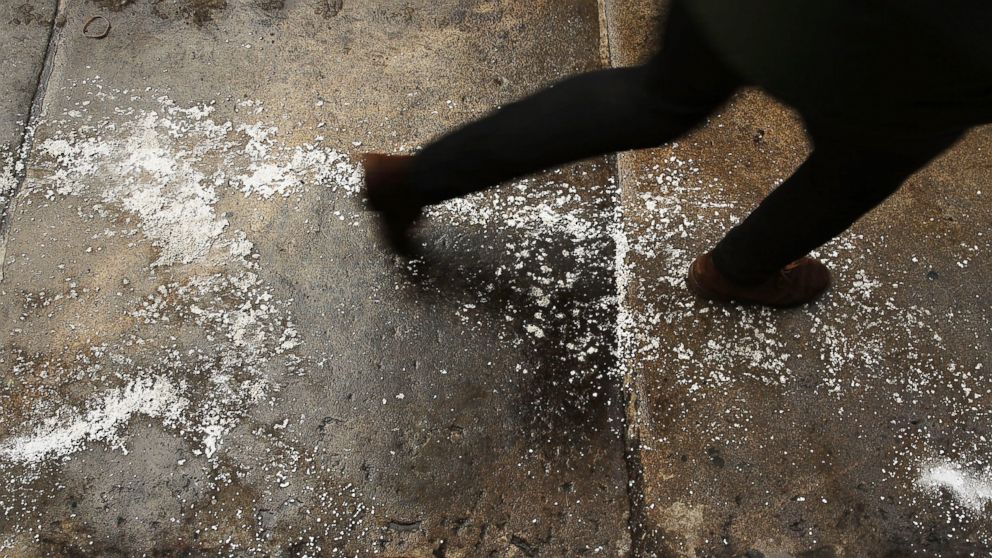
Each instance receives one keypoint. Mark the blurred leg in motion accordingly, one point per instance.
(763, 259)
(587, 115)
(838, 183)
(584, 116)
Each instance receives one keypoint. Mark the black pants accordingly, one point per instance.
(646, 106)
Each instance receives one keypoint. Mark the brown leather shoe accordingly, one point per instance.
(800, 282)
(388, 194)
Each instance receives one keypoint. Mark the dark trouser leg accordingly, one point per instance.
(588, 115)
(840, 182)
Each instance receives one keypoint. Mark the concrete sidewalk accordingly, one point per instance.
(857, 426)
(206, 350)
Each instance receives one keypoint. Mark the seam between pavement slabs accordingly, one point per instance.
(605, 44)
(631, 441)
(27, 138)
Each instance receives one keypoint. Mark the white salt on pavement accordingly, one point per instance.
(155, 397)
(971, 489)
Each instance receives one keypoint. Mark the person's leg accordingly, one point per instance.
(591, 114)
(838, 183)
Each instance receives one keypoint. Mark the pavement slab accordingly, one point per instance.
(856, 426)
(208, 352)
(24, 31)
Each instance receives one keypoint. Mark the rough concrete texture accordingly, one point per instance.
(25, 26)
(207, 352)
(857, 426)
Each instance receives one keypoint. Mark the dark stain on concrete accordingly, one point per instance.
(405, 526)
(270, 5)
(524, 546)
(113, 5)
(715, 458)
(198, 12)
(329, 8)
(25, 14)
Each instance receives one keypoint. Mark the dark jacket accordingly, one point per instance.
(901, 65)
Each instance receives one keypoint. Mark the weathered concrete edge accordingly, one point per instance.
(34, 115)
(632, 455)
